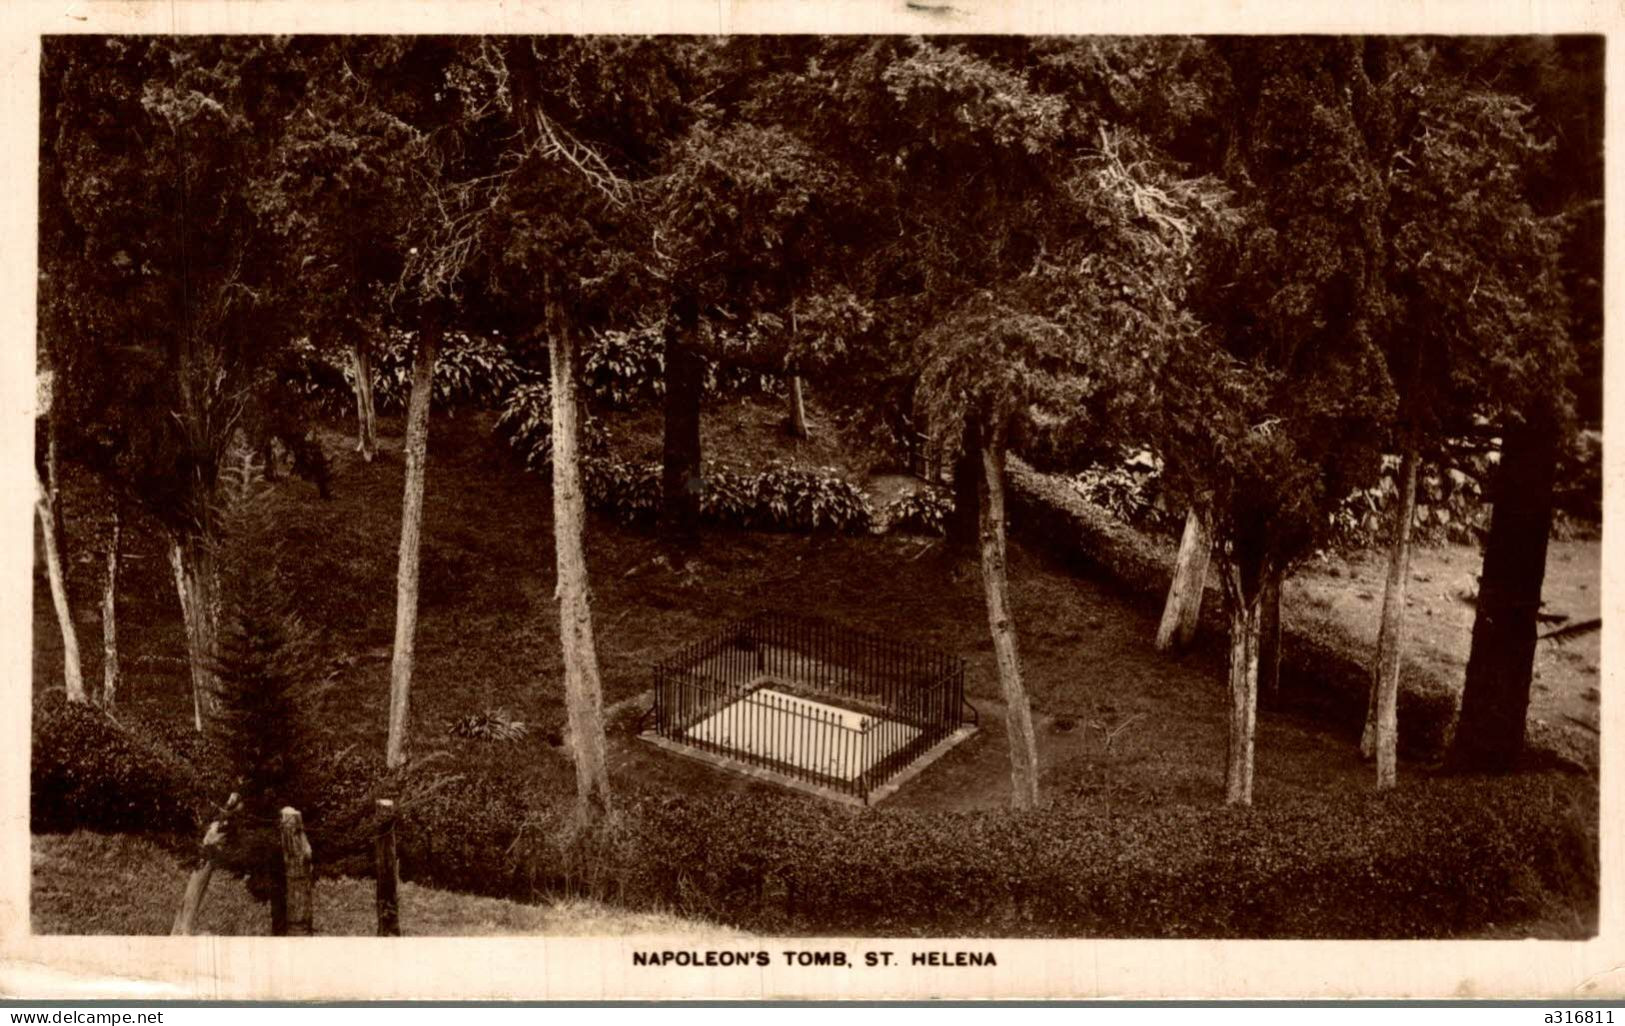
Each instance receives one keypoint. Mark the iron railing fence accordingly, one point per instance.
(818, 702)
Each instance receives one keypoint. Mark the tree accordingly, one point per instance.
(566, 239)
(1562, 80)
(1070, 304)
(336, 193)
(157, 297)
(1271, 415)
(1478, 313)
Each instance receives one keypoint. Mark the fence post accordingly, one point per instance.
(296, 873)
(197, 885)
(386, 872)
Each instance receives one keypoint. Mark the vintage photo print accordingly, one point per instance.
(870, 501)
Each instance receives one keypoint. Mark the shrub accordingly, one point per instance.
(469, 371)
(1440, 856)
(526, 418)
(924, 511)
(1130, 489)
(92, 772)
(1450, 506)
(785, 498)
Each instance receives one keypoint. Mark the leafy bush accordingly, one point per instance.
(1130, 489)
(526, 419)
(1579, 477)
(91, 772)
(1450, 506)
(785, 498)
(924, 511)
(629, 492)
(469, 371)
(624, 368)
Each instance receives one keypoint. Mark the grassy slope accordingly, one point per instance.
(86, 883)
(488, 634)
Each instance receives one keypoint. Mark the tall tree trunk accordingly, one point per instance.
(1381, 735)
(1495, 698)
(1182, 611)
(798, 409)
(1244, 598)
(1269, 635)
(681, 476)
(582, 689)
(53, 484)
(110, 660)
(366, 413)
(198, 587)
(71, 673)
(1018, 716)
(406, 578)
(965, 522)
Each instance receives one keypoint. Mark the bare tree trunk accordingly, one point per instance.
(1244, 643)
(366, 412)
(582, 688)
(197, 585)
(110, 660)
(1383, 719)
(72, 675)
(1018, 717)
(53, 480)
(1269, 635)
(406, 580)
(798, 408)
(1182, 612)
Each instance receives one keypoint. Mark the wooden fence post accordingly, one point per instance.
(386, 872)
(198, 883)
(296, 873)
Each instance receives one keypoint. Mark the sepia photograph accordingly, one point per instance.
(929, 491)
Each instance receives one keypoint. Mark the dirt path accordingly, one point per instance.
(1566, 694)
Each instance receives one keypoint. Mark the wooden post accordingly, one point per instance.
(1182, 611)
(198, 884)
(387, 873)
(296, 873)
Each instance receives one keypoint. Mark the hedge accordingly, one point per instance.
(1439, 857)
(1323, 668)
(90, 772)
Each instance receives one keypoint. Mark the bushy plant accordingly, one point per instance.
(785, 498)
(526, 419)
(1129, 488)
(91, 772)
(469, 370)
(1450, 505)
(923, 511)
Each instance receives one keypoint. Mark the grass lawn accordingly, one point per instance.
(85, 883)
